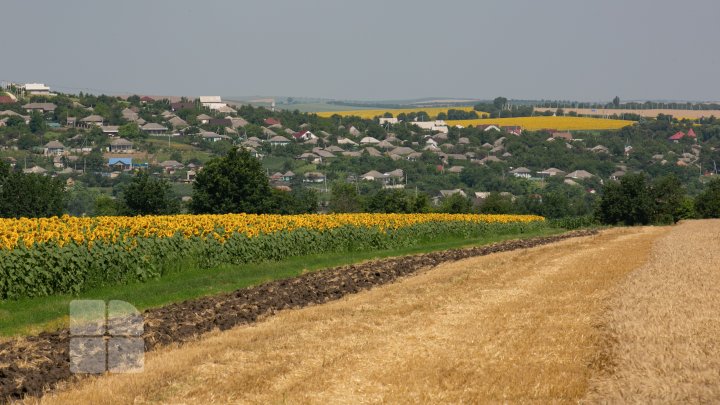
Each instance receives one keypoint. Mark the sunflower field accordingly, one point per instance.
(70, 254)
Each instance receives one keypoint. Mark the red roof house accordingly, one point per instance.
(271, 121)
(146, 99)
(6, 100)
(678, 136)
(691, 134)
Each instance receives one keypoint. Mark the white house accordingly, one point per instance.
(212, 102)
(36, 89)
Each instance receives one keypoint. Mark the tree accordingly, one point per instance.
(456, 204)
(344, 198)
(149, 196)
(707, 204)
(390, 201)
(131, 131)
(37, 122)
(668, 196)
(29, 195)
(628, 202)
(616, 101)
(496, 204)
(231, 184)
(499, 103)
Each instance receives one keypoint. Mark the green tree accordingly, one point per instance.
(149, 196)
(496, 204)
(628, 202)
(37, 122)
(390, 201)
(616, 101)
(231, 184)
(707, 203)
(668, 196)
(344, 198)
(456, 204)
(131, 131)
(29, 195)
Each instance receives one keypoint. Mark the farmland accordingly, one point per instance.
(369, 114)
(558, 123)
(591, 319)
(649, 113)
(42, 257)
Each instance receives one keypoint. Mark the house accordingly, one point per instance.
(562, 135)
(372, 175)
(402, 151)
(271, 121)
(600, 149)
(182, 106)
(147, 99)
(268, 132)
(369, 140)
(512, 129)
(35, 170)
(70, 121)
(35, 89)
(92, 120)
(288, 176)
(323, 153)
(678, 136)
(617, 175)
(110, 130)
(6, 100)
(456, 169)
(552, 172)
(41, 107)
(204, 118)
(279, 140)
(237, 122)
(212, 102)
(304, 135)
(121, 145)
(447, 193)
(177, 122)
(487, 128)
(120, 164)
(220, 122)
(334, 149)
(154, 129)
(213, 137)
(346, 141)
(521, 172)
(354, 131)
(384, 121)
(691, 134)
(54, 148)
(170, 166)
(579, 175)
(314, 177)
(372, 151)
(310, 158)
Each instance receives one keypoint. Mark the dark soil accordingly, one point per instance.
(30, 366)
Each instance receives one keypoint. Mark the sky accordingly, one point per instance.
(367, 50)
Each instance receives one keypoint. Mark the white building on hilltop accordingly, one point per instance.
(212, 102)
(36, 89)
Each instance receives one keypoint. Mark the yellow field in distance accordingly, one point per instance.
(370, 114)
(559, 123)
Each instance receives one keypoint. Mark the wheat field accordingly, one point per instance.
(514, 326)
(370, 114)
(651, 113)
(558, 123)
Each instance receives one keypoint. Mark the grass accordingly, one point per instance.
(30, 316)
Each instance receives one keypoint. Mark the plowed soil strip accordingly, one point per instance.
(32, 365)
(516, 326)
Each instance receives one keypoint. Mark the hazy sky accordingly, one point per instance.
(369, 49)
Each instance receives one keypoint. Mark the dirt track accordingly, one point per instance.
(514, 326)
